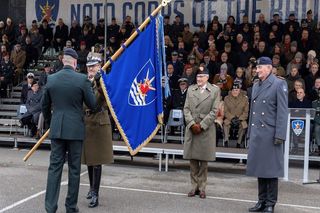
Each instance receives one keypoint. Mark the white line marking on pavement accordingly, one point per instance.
(33, 196)
(210, 197)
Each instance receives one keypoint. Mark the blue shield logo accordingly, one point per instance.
(47, 10)
(297, 126)
(142, 91)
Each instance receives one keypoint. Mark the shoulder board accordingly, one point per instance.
(214, 85)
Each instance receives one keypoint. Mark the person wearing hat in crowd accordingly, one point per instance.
(236, 107)
(64, 96)
(199, 147)
(113, 28)
(178, 96)
(58, 65)
(293, 49)
(82, 57)
(178, 65)
(266, 134)
(26, 87)
(310, 22)
(88, 25)
(97, 146)
(99, 31)
(33, 105)
(44, 75)
(291, 22)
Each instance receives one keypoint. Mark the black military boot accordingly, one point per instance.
(96, 185)
(90, 173)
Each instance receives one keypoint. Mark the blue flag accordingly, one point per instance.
(133, 89)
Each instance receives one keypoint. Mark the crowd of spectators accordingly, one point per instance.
(228, 50)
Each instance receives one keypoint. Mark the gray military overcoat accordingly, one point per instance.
(268, 120)
(201, 108)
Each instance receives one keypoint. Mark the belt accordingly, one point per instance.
(89, 112)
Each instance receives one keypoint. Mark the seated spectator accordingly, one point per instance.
(311, 77)
(276, 64)
(172, 77)
(46, 31)
(223, 80)
(232, 57)
(225, 60)
(291, 53)
(240, 78)
(37, 41)
(18, 58)
(305, 44)
(301, 100)
(31, 54)
(178, 97)
(169, 47)
(22, 37)
(44, 75)
(236, 107)
(292, 77)
(33, 104)
(82, 57)
(311, 58)
(298, 84)
(178, 65)
(297, 62)
(60, 35)
(197, 52)
(6, 75)
(58, 65)
(244, 55)
(261, 50)
(210, 65)
(315, 90)
(187, 37)
(26, 87)
(189, 74)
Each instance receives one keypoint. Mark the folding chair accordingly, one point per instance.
(175, 120)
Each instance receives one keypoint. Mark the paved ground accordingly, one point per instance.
(138, 187)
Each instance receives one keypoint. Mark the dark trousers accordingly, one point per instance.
(268, 191)
(57, 159)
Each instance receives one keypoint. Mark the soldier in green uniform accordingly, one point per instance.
(97, 147)
(64, 95)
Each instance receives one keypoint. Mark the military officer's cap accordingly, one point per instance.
(70, 52)
(182, 80)
(264, 61)
(202, 71)
(93, 59)
(236, 85)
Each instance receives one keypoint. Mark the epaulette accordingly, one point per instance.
(214, 85)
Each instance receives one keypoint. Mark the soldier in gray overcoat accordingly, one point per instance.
(266, 134)
(200, 135)
(97, 147)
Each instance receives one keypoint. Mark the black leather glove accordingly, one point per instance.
(278, 141)
(97, 78)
